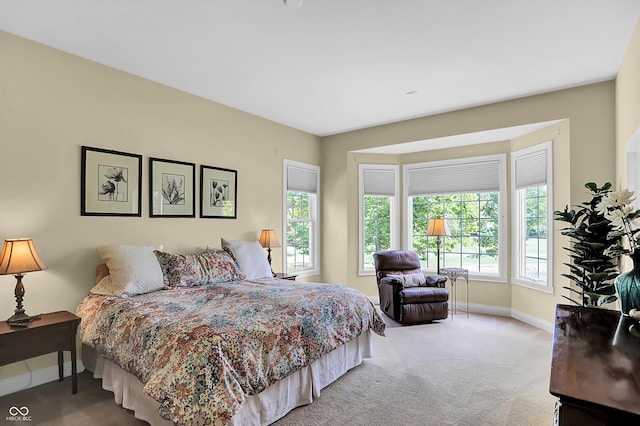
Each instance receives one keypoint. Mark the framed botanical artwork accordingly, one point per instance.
(172, 188)
(110, 183)
(218, 192)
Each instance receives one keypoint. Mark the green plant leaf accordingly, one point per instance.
(572, 301)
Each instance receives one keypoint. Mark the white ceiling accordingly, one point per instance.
(486, 136)
(332, 66)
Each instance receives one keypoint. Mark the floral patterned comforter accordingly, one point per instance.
(201, 351)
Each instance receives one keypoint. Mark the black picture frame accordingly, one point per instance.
(110, 183)
(218, 192)
(172, 188)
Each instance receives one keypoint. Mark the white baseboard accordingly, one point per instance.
(531, 320)
(35, 378)
(478, 308)
(512, 313)
(495, 310)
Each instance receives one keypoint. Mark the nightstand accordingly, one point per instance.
(54, 332)
(284, 276)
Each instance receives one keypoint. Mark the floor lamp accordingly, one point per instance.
(438, 227)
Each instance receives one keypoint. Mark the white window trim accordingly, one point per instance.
(315, 213)
(516, 278)
(395, 227)
(501, 277)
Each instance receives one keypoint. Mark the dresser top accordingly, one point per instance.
(595, 358)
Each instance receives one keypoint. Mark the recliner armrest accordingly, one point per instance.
(436, 280)
(391, 280)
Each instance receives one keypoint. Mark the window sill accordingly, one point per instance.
(533, 286)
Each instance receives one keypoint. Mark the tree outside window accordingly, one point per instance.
(377, 226)
(299, 231)
(473, 223)
(535, 238)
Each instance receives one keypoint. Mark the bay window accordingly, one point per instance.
(469, 194)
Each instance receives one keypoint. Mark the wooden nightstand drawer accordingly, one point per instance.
(54, 332)
(31, 342)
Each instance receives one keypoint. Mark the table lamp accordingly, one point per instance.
(438, 227)
(267, 240)
(18, 257)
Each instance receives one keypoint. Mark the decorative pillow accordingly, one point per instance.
(411, 280)
(250, 257)
(133, 269)
(220, 267)
(104, 287)
(191, 270)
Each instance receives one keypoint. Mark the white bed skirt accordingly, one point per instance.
(299, 388)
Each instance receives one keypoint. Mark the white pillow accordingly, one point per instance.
(251, 258)
(133, 269)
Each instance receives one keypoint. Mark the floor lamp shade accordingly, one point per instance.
(438, 227)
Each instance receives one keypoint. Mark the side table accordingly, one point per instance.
(54, 332)
(453, 274)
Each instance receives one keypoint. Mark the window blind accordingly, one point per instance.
(301, 179)
(378, 182)
(531, 169)
(473, 176)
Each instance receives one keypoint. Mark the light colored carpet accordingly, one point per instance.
(481, 371)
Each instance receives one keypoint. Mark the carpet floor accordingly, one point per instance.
(481, 371)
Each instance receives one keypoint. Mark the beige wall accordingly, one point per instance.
(52, 103)
(525, 301)
(583, 151)
(627, 104)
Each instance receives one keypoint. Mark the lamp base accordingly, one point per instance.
(20, 319)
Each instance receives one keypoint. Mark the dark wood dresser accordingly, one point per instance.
(595, 367)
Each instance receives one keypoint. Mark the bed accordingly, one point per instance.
(229, 350)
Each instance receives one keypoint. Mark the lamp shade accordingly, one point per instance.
(268, 238)
(438, 226)
(19, 256)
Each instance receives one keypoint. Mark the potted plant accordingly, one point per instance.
(624, 221)
(591, 270)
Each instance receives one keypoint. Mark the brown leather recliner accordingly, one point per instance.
(404, 295)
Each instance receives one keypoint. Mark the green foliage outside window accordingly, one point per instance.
(377, 226)
(535, 250)
(299, 224)
(473, 223)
